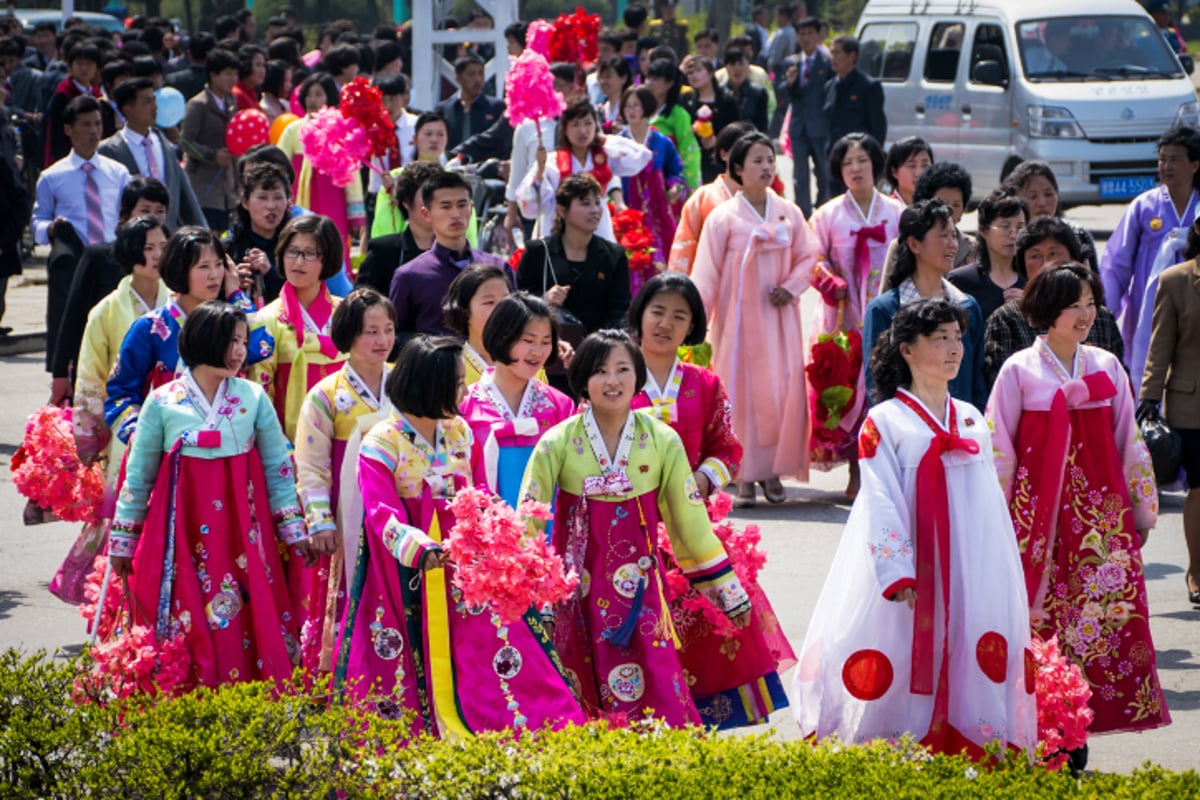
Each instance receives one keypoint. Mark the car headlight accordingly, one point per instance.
(1052, 122)
(1188, 114)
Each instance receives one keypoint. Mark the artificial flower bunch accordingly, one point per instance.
(1062, 702)
(499, 560)
(832, 372)
(335, 145)
(363, 103)
(576, 38)
(629, 226)
(529, 89)
(46, 469)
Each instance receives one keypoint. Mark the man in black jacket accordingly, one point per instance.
(386, 254)
(469, 111)
(853, 101)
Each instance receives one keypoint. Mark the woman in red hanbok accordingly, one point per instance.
(1081, 493)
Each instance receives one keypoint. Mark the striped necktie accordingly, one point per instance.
(151, 160)
(95, 212)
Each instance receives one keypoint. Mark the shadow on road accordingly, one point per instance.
(1155, 570)
(8, 601)
(802, 505)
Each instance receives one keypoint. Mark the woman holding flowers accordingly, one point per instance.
(409, 644)
(614, 474)
(1081, 493)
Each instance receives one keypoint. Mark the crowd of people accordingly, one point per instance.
(284, 425)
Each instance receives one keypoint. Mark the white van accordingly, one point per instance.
(992, 83)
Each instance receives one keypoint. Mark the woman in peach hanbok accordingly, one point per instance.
(756, 256)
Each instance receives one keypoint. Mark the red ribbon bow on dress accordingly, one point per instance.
(321, 308)
(933, 537)
(862, 249)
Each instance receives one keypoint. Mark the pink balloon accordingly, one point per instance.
(247, 128)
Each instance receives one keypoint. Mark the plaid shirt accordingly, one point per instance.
(1008, 331)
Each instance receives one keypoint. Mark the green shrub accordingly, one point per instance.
(251, 741)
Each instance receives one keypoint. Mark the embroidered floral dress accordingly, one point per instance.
(335, 416)
(207, 511)
(1080, 485)
(951, 672)
(409, 644)
(615, 634)
(647, 192)
(734, 678)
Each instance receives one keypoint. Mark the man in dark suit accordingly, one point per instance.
(853, 102)
(190, 78)
(468, 111)
(802, 87)
(751, 100)
(145, 151)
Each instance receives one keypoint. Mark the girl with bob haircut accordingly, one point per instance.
(613, 474)
(658, 190)
(300, 320)
(725, 666)
(265, 208)
(755, 258)
(509, 407)
(582, 148)
(195, 269)
(995, 277)
(335, 415)
(921, 627)
(925, 254)
(906, 162)
(408, 645)
(209, 479)
(854, 230)
(671, 119)
(469, 303)
(1063, 416)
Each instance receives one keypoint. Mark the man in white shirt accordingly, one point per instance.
(143, 150)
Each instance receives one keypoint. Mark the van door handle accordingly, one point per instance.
(966, 109)
(920, 108)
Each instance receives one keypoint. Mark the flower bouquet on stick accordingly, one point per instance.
(339, 141)
(1062, 701)
(834, 364)
(47, 471)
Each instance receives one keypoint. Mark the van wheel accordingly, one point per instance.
(1009, 166)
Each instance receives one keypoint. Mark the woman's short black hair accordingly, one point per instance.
(643, 97)
(183, 251)
(263, 175)
(506, 326)
(618, 66)
(579, 186)
(741, 148)
(1002, 203)
(456, 307)
(266, 154)
(837, 154)
(348, 317)
(425, 380)
(129, 248)
(276, 76)
(327, 84)
(428, 118)
(916, 222)
(899, 153)
(943, 175)
(1026, 171)
(322, 229)
(142, 188)
(578, 108)
(339, 58)
(670, 283)
(728, 137)
(1053, 290)
(207, 333)
(922, 318)
(668, 70)
(1039, 230)
(593, 352)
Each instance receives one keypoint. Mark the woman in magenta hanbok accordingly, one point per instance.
(409, 644)
(658, 189)
(208, 502)
(734, 675)
(614, 474)
(1081, 493)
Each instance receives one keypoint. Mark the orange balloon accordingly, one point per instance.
(281, 122)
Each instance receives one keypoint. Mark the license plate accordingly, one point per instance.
(1122, 188)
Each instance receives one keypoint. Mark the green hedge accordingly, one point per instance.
(246, 742)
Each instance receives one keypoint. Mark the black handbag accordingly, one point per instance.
(1165, 446)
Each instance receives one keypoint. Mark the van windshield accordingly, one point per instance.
(1095, 48)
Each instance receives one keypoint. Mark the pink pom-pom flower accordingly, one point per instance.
(334, 145)
(1062, 703)
(538, 36)
(529, 90)
(47, 470)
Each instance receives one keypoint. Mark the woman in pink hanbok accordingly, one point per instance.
(854, 230)
(409, 644)
(1081, 492)
(756, 256)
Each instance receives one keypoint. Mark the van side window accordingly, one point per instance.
(945, 45)
(886, 50)
(989, 46)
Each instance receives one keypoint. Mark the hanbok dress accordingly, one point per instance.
(691, 222)
(617, 158)
(409, 644)
(853, 250)
(676, 125)
(955, 672)
(647, 192)
(1150, 237)
(335, 416)
(1080, 484)
(615, 634)
(207, 507)
(504, 439)
(758, 349)
(733, 678)
(477, 366)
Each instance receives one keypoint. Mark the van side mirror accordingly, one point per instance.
(989, 73)
(1189, 63)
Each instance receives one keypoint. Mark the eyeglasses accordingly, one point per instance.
(301, 255)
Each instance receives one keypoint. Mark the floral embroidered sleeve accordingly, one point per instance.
(889, 537)
(126, 383)
(1135, 458)
(722, 451)
(1003, 417)
(141, 471)
(314, 461)
(699, 552)
(379, 462)
(266, 323)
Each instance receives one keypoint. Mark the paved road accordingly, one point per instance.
(799, 536)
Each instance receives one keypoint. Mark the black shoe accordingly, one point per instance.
(1077, 761)
(1194, 597)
